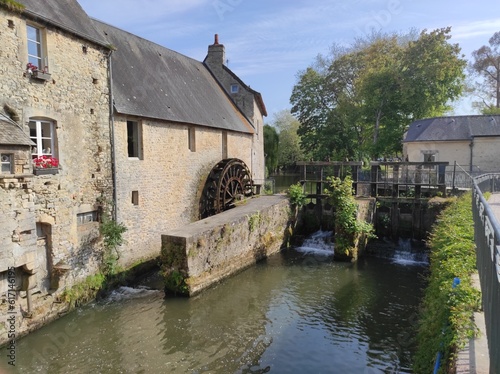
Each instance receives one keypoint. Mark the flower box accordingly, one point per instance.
(37, 74)
(45, 171)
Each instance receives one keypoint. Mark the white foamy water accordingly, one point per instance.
(319, 243)
(125, 293)
(405, 255)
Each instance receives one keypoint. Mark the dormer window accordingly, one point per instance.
(235, 88)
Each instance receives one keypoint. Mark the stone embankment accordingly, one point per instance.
(203, 253)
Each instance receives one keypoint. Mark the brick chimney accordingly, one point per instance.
(216, 56)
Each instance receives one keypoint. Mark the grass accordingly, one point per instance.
(446, 317)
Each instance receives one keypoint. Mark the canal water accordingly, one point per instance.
(297, 312)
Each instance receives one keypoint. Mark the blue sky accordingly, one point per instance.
(269, 41)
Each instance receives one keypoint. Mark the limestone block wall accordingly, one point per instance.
(167, 179)
(197, 256)
(259, 164)
(42, 215)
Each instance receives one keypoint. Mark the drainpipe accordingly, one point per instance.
(471, 145)
(112, 124)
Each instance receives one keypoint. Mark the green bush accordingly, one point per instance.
(296, 195)
(446, 316)
(112, 233)
(347, 227)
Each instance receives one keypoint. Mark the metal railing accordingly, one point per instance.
(487, 238)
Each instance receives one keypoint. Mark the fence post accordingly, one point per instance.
(454, 173)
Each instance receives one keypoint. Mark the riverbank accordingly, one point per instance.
(450, 299)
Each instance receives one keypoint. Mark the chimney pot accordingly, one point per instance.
(216, 39)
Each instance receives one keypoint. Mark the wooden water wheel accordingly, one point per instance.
(228, 181)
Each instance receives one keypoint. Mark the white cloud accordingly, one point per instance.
(137, 12)
(478, 28)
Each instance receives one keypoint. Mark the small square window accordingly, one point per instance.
(6, 162)
(235, 88)
(135, 197)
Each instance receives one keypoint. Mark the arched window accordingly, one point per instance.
(43, 134)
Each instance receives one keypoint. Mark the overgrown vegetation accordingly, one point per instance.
(112, 233)
(173, 265)
(254, 221)
(446, 317)
(12, 5)
(296, 195)
(347, 227)
(85, 291)
(110, 275)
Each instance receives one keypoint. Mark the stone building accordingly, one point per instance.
(248, 101)
(173, 124)
(125, 127)
(470, 141)
(54, 101)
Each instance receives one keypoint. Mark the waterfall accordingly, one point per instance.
(319, 243)
(406, 255)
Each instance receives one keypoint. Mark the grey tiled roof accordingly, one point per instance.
(155, 82)
(65, 14)
(11, 134)
(453, 128)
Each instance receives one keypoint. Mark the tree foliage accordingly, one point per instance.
(358, 101)
(271, 142)
(486, 64)
(289, 151)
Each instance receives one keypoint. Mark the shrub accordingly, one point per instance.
(296, 195)
(446, 317)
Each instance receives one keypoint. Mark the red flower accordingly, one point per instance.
(31, 68)
(44, 162)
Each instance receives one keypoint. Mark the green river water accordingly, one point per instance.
(296, 312)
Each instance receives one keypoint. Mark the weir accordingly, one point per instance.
(408, 194)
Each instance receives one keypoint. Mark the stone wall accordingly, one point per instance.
(41, 224)
(168, 178)
(483, 153)
(201, 254)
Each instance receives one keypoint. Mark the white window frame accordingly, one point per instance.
(6, 159)
(87, 217)
(38, 139)
(40, 58)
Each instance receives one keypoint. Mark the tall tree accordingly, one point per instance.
(271, 143)
(363, 102)
(289, 151)
(486, 65)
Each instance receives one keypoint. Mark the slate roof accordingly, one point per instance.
(453, 128)
(155, 82)
(64, 14)
(12, 134)
(257, 94)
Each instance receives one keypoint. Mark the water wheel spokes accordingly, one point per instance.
(229, 180)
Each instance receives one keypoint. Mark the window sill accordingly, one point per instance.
(40, 75)
(46, 171)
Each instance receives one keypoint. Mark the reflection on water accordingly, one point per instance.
(294, 313)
